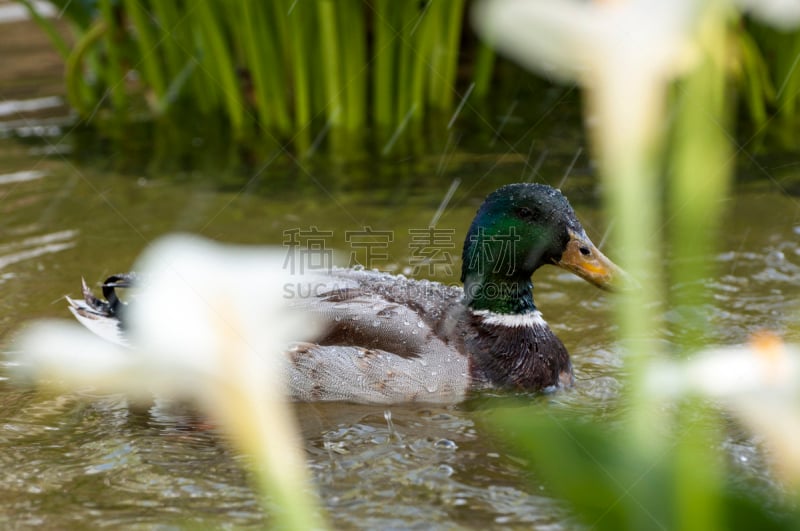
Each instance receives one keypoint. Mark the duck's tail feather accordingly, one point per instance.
(103, 317)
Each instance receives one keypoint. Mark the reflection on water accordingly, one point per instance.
(34, 247)
(78, 460)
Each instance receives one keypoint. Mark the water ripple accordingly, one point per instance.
(35, 246)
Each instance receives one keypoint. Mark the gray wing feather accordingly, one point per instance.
(355, 374)
(383, 343)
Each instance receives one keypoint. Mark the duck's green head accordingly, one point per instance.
(517, 229)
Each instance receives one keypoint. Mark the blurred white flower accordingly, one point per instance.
(783, 14)
(624, 52)
(576, 40)
(205, 308)
(758, 383)
(211, 324)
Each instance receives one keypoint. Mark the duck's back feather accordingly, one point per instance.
(374, 376)
(386, 341)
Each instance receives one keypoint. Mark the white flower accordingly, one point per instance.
(211, 324)
(577, 40)
(205, 309)
(759, 384)
(765, 364)
(783, 14)
(624, 52)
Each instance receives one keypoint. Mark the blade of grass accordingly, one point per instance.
(483, 69)
(175, 88)
(409, 16)
(331, 68)
(78, 94)
(422, 43)
(178, 49)
(789, 73)
(219, 64)
(149, 56)
(452, 38)
(754, 79)
(297, 22)
(435, 75)
(385, 62)
(113, 71)
(265, 62)
(351, 20)
(48, 27)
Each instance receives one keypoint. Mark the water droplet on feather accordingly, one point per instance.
(446, 444)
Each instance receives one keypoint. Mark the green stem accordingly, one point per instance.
(299, 67)
(148, 52)
(219, 64)
(630, 145)
(701, 177)
(483, 69)
(450, 64)
(73, 66)
(409, 17)
(178, 49)
(789, 76)
(331, 68)
(262, 62)
(351, 19)
(424, 43)
(114, 75)
(48, 27)
(699, 474)
(385, 61)
(273, 67)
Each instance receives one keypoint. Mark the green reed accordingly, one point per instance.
(291, 72)
(769, 79)
(282, 70)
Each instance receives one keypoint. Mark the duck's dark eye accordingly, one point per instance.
(585, 251)
(525, 213)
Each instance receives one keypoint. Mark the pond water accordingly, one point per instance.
(74, 460)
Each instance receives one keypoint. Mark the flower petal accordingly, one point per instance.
(202, 299)
(575, 40)
(67, 356)
(782, 14)
(552, 37)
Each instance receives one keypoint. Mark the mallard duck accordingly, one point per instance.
(390, 339)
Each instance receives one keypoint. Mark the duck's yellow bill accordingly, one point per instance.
(582, 258)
